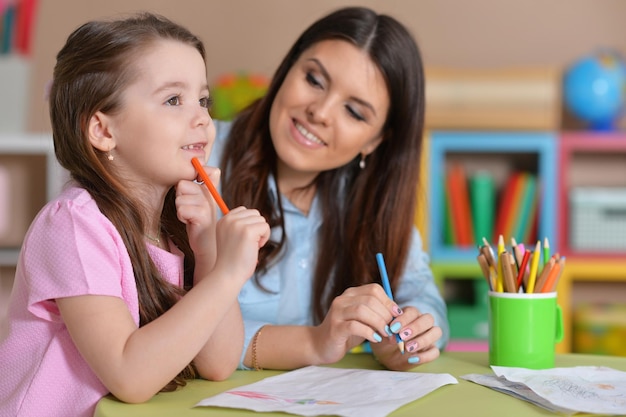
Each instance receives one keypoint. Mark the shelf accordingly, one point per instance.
(588, 270)
(29, 177)
(500, 153)
(589, 161)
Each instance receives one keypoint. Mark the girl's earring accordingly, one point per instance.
(362, 162)
(109, 156)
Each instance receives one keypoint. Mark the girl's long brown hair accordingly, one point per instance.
(364, 210)
(92, 70)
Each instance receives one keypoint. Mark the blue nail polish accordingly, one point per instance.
(377, 337)
(395, 327)
(414, 359)
(388, 330)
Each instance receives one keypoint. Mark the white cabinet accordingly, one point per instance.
(29, 177)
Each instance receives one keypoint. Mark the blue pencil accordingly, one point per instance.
(385, 279)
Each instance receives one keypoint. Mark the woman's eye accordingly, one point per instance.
(206, 102)
(355, 114)
(310, 78)
(174, 101)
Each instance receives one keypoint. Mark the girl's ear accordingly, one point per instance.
(99, 132)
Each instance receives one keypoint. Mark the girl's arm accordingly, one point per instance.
(135, 363)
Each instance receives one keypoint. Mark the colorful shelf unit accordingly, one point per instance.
(586, 270)
(592, 162)
(500, 154)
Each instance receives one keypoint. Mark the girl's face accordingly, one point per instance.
(330, 108)
(164, 119)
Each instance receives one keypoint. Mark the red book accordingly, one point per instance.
(458, 199)
(506, 206)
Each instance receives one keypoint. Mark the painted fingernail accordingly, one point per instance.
(395, 327)
(405, 334)
(388, 331)
(397, 310)
(414, 359)
(377, 337)
(411, 346)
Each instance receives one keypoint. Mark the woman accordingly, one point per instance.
(330, 156)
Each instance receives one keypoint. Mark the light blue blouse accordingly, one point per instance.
(290, 280)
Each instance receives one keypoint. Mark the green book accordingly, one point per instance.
(526, 208)
(483, 202)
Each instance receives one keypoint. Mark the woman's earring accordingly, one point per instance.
(109, 156)
(362, 162)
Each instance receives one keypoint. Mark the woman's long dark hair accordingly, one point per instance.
(364, 210)
(92, 70)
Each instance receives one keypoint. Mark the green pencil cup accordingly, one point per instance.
(524, 329)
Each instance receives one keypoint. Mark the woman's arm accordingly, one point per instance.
(360, 313)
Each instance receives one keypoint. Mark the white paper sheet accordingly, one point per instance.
(317, 391)
(583, 389)
(516, 390)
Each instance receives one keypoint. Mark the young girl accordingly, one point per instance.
(331, 157)
(126, 283)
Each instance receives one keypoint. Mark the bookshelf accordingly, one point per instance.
(589, 227)
(500, 154)
(562, 162)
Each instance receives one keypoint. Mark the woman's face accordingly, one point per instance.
(330, 108)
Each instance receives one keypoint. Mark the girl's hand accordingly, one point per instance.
(239, 235)
(360, 313)
(419, 334)
(197, 209)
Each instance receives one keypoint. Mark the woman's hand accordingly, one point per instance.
(360, 313)
(419, 334)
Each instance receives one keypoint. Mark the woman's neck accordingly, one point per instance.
(297, 186)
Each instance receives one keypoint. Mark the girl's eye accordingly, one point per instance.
(174, 101)
(206, 102)
(310, 78)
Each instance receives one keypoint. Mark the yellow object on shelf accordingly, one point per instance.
(600, 329)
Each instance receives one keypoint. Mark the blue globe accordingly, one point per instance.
(594, 89)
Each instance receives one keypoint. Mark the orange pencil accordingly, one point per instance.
(218, 198)
(550, 283)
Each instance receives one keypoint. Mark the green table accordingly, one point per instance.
(465, 398)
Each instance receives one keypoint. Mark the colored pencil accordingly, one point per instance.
(218, 198)
(484, 266)
(522, 269)
(546, 251)
(541, 279)
(553, 277)
(507, 271)
(385, 280)
(500, 281)
(534, 266)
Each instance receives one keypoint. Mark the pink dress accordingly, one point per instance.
(71, 249)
